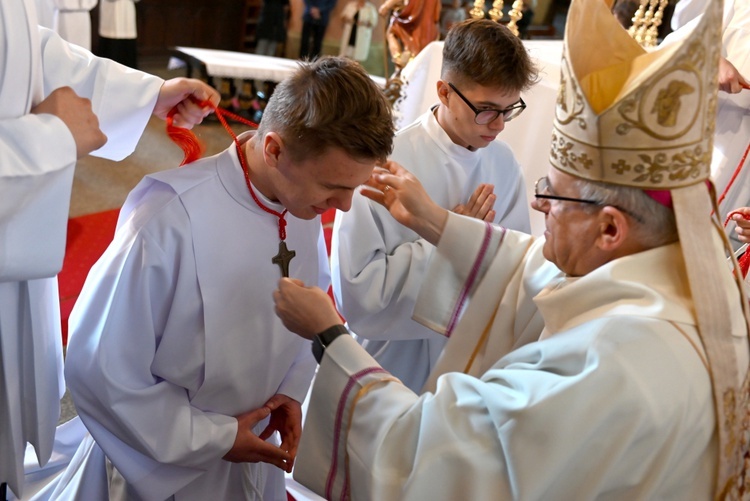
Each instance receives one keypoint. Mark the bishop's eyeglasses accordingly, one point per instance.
(542, 192)
(485, 116)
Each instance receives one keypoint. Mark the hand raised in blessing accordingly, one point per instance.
(396, 189)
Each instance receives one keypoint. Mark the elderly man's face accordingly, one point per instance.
(570, 229)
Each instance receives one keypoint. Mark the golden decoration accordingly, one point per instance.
(477, 12)
(652, 33)
(646, 22)
(496, 12)
(668, 103)
(515, 14)
(394, 89)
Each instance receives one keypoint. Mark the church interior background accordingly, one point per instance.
(230, 25)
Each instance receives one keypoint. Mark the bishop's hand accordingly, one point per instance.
(396, 189)
(303, 310)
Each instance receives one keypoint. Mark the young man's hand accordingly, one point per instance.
(741, 216)
(286, 418)
(730, 79)
(480, 205)
(250, 448)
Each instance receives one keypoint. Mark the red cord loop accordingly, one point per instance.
(194, 149)
(744, 260)
(734, 176)
(186, 139)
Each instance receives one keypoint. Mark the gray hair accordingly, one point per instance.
(655, 223)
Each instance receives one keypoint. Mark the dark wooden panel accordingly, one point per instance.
(211, 24)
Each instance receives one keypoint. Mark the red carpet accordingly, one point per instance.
(88, 238)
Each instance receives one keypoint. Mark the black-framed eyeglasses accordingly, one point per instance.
(542, 191)
(483, 117)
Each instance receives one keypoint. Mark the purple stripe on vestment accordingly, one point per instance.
(471, 278)
(337, 424)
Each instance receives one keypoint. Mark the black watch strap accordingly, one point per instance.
(321, 340)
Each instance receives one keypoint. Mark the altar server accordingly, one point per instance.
(176, 362)
(377, 264)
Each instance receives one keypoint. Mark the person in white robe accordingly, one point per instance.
(379, 265)
(74, 21)
(732, 137)
(359, 18)
(58, 103)
(638, 385)
(176, 362)
(118, 31)
(46, 14)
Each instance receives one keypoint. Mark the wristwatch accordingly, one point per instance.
(323, 339)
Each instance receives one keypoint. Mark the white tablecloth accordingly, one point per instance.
(528, 135)
(229, 64)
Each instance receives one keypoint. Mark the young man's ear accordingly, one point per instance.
(272, 146)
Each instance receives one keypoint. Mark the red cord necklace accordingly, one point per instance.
(744, 260)
(734, 176)
(194, 149)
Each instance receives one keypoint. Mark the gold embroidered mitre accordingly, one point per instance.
(628, 117)
(631, 117)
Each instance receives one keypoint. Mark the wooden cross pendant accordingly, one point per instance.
(283, 258)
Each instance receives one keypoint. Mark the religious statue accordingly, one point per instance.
(413, 24)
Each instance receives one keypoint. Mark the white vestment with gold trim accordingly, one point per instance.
(614, 400)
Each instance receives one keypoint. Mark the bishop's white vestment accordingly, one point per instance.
(378, 265)
(37, 159)
(174, 333)
(613, 401)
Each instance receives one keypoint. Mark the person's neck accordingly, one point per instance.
(258, 171)
(439, 111)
